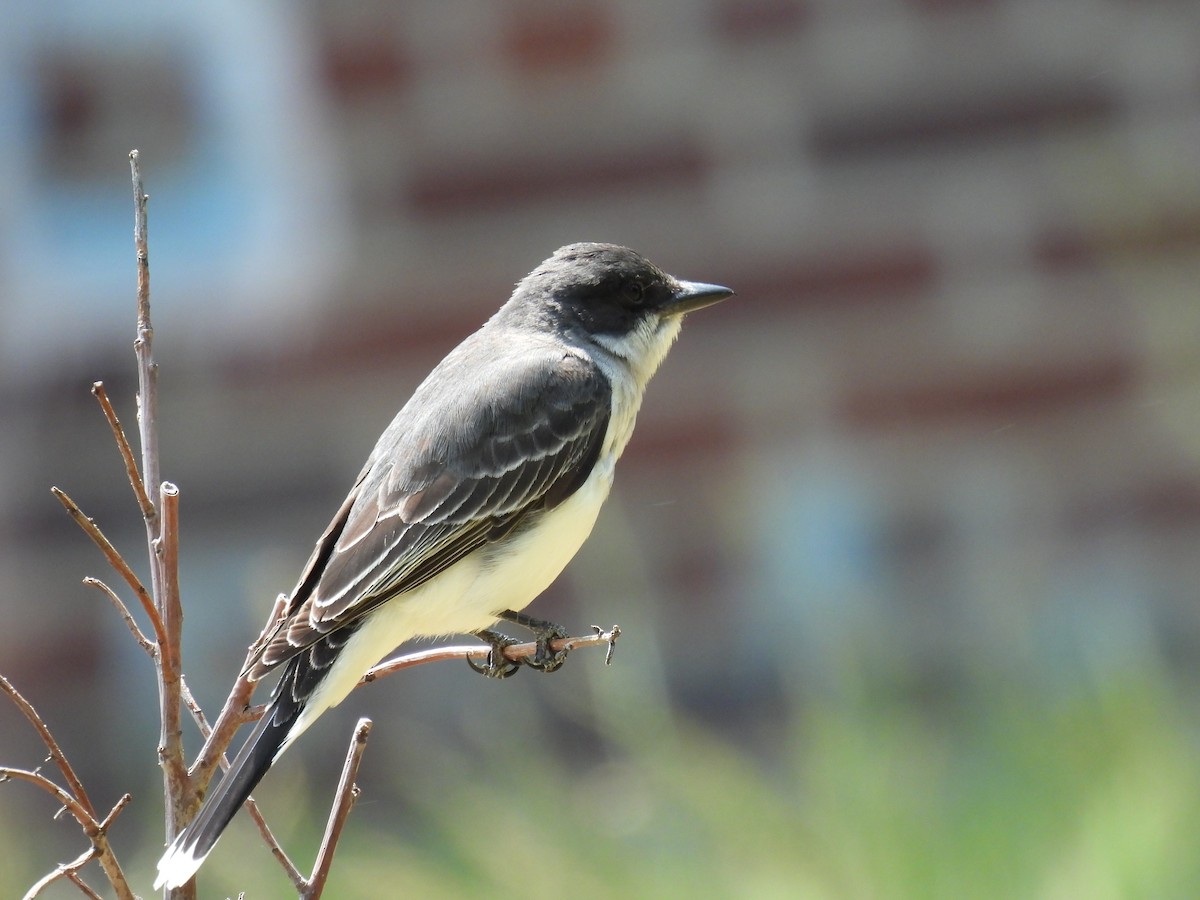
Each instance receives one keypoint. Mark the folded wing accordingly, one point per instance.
(521, 436)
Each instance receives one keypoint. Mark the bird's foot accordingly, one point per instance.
(545, 659)
(496, 665)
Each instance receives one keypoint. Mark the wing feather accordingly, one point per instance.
(521, 435)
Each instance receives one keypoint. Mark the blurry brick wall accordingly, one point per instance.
(965, 241)
(955, 401)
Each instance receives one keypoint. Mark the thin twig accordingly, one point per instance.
(63, 871)
(144, 642)
(92, 530)
(135, 479)
(56, 754)
(105, 856)
(234, 713)
(179, 794)
(250, 805)
(233, 716)
(238, 712)
(75, 879)
(189, 700)
(120, 805)
(95, 831)
(81, 814)
(143, 344)
(513, 652)
(289, 867)
(347, 793)
(183, 798)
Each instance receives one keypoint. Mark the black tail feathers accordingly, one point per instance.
(194, 843)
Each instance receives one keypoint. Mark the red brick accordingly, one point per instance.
(893, 274)
(658, 442)
(545, 37)
(507, 183)
(748, 19)
(700, 570)
(974, 118)
(372, 64)
(937, 6)
(998, 395)
(1073, 248)
(1163, 505)
(373, 339)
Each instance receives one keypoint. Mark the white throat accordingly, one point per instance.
(629, 362)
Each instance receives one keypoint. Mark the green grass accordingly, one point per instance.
(1015, 789)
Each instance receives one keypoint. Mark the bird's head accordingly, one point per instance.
(615, 298)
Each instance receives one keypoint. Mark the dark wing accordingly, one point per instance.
(478, 448)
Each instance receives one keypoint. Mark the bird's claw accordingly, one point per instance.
(544, 659)
(497, 665)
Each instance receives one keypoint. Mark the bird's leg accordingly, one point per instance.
(495, 666)
(545, 659)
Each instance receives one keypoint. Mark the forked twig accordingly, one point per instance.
(92, 530)
(76, 879)
(182, 794)
(135, 479)
(63, 871)
(96, 832)
(347, 793)
(56, 755)
(80, 812)
(251, 806)
(234, 713)
(126, 616)
(161, 515)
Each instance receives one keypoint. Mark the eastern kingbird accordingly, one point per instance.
(474, 499)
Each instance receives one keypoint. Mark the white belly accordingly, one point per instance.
(469, 595)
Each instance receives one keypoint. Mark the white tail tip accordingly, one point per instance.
(176, 867)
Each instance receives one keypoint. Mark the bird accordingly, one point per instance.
(474, 499)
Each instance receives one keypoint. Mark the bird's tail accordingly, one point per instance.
(269, 738)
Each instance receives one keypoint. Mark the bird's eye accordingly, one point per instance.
(634, 291)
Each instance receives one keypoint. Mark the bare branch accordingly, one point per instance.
(293, 874)
(238, 712)
(104, 853)
(92, 530)
(143, 343)
(81, 813)
(189, 700)
(95, 831)
(76, 880)
(181, 796)
(235, 712)
(513, 652)
(250, 805)
(120, 805)
(232, 717)
(56, 754)
(144, 642)
(179, 793)
(135, 479)
(347, 793)
(63, 871)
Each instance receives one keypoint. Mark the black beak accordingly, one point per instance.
(693, 295)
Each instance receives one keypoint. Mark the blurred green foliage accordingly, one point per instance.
(1089, 789)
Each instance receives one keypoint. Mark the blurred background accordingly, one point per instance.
(906, 549)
